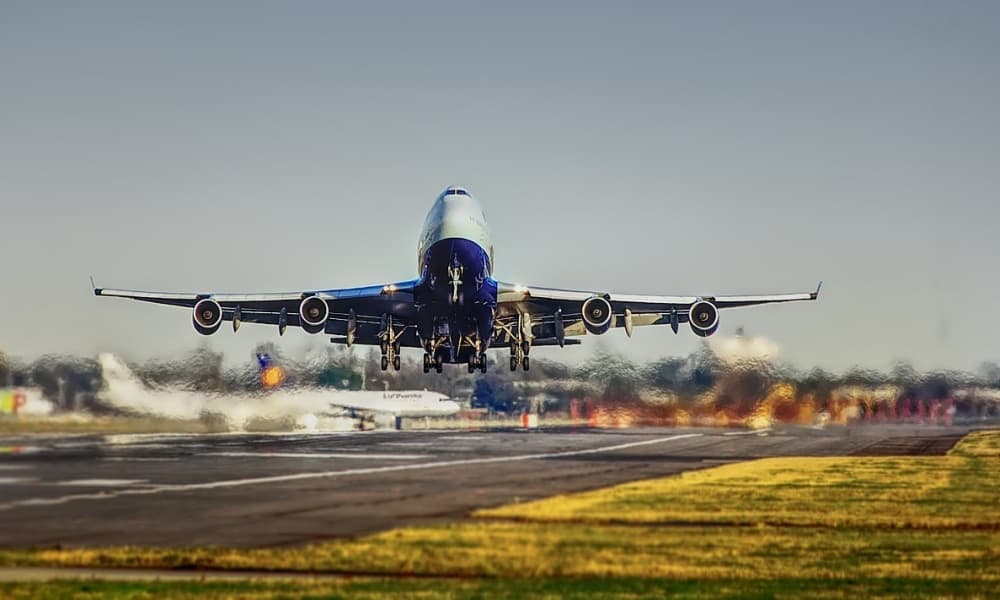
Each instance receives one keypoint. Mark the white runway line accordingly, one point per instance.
(752, 432)
(13, 480)
(462, 437)
(4, 467)
(211, 485)
(406, 444)
(319, 455)
(138, 459)
(101, 482)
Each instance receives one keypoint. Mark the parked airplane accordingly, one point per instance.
(455, 310)
(125, 390)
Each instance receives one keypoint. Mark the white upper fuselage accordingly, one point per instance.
(456, 214)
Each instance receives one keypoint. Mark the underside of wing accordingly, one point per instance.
(358, 314)
(548, 313)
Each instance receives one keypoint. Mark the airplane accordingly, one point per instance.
(122, 388)
(455, 309)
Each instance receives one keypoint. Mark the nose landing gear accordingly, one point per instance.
(455, 272)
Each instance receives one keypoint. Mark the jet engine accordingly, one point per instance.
(704, 318)
(207, 316)
(597, 314)
(313, 313)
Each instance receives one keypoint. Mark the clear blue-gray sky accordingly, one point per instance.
(702, 147)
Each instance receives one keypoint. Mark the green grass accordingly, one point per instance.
(588, 589)
(824, 527)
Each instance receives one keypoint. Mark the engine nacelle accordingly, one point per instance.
(313, 313)
(704, 318)
(597, 314)
(207, 316)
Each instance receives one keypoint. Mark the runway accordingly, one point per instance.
(285, 489)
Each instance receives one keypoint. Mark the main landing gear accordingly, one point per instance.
(519, 336)
(432, 362)
(389, 344)
(477, 361)
(519, 355)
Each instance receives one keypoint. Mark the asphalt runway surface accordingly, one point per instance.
(296, 488)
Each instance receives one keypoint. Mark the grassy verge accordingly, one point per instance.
(513, 589)
(824, 527)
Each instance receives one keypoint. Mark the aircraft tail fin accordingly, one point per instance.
(114, 370)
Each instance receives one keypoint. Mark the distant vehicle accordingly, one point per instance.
(455, 310)
(125, 390)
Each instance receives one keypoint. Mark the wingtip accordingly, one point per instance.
(815, 294)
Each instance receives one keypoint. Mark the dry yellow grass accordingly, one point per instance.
(961, 490)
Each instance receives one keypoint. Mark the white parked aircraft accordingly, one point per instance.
(125, 390)
(455, 310)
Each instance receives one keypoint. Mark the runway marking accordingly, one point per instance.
(361, 456)
(139, 459)
(101, 482)
(751, 432)
(405, 444)
(4, 467)
(13, 480)
(211, 485)
(461, 437)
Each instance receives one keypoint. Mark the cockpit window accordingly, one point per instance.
(456, 193)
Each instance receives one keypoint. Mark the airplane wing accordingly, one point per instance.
(550, 315)
(355, 311)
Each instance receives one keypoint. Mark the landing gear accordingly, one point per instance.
(520, 343)
(477, 361)
(455, 271)
(389, 344)
(433, 357)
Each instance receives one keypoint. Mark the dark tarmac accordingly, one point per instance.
(296, 488)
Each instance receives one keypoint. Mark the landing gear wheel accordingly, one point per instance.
(427, 363)
(438, 367)
(513, 363)
(525, 364)
(385, 362)
(395, 362)
(525, 347)
(482, 363)
(471, 365)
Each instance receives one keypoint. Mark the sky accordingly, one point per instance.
(634, 147)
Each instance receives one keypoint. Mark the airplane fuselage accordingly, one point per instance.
(457, 295)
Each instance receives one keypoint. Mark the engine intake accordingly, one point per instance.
(597, 314)
(313, 314)
(704, 318)
(207, 316)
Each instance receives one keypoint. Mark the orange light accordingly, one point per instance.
(272, 377)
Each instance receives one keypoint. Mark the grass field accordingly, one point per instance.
(821, 527)
(507, 589)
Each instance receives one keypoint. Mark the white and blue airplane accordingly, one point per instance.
(455, 310)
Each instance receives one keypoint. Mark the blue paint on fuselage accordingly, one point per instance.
(439, 311)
